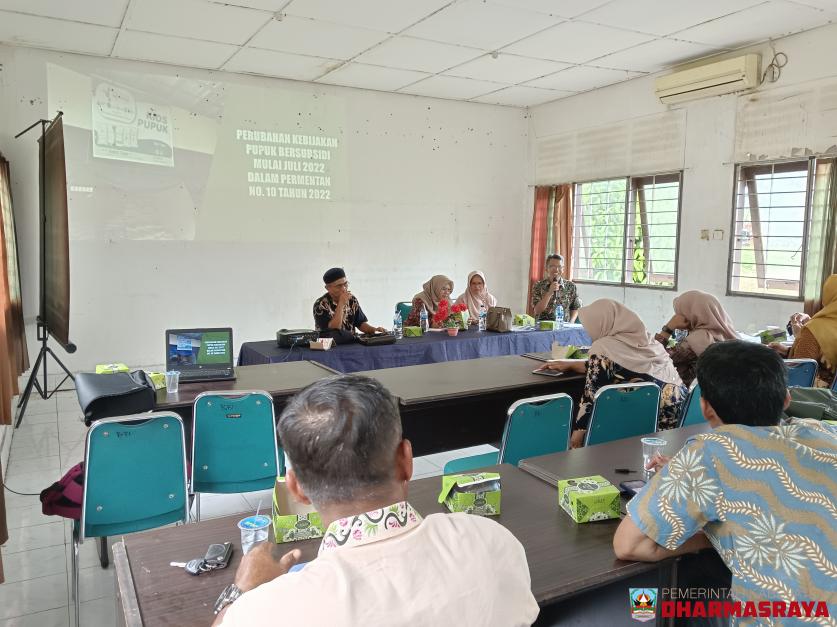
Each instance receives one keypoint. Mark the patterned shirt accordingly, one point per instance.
(685, 361)
(805, 346)
(324, 309)
(602, 371)
(766, 498)
(567, 296)
(414, 317)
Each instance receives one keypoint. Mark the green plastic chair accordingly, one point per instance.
(802, 373)
(623, 410)
(405, 307)
(234, 445)
(690, 412)
(535, 426)
(135, 479)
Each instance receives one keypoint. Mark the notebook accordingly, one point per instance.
(200, 354)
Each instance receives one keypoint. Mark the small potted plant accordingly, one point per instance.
(451, 318)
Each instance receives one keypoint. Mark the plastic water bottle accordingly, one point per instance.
(559, 317)
(397, 325)
(483, 317)
(423, 319)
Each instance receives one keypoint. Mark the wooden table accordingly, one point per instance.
(455, 404)
(564, 558)
(603, 459)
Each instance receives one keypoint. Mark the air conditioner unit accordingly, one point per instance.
(712, 79)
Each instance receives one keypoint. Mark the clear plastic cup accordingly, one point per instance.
(254, 529)
(650, 448)
(172, 381)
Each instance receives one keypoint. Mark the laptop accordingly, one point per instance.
(200, 354)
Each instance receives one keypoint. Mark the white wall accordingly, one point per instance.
(431, 186)
(711, 141)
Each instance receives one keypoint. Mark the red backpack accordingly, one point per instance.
(63, 498)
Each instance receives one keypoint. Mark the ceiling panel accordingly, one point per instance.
(264, 5)
(196, 19)
(280, 64)
(521, 96)
(392, 16)
(315, 38)
(558, 8)
(451, 87)
(418, 54)
(506, 68)
(42, 32)
(656, 55)
(769, 20)
(481, 25)
(582, 78)
(372, 77)
(576, 42)
(652, 16)
(174, 50)
(102, 12)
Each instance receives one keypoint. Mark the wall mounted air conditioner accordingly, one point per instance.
(711, 79)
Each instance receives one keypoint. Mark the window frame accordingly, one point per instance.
(630, 190)
(806, 224)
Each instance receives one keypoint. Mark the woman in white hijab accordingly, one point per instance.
(476, 295)
(622, 352)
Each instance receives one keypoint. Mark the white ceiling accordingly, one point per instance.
(510, 52)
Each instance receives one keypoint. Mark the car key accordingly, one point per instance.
(218, 555)
(193, 567)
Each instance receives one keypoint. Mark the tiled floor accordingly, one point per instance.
(37, 557)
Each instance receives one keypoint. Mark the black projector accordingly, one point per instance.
(286, 338)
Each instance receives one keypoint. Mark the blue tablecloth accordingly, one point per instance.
(410, 351)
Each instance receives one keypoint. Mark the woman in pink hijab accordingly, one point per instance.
(476, 295)
(706, 321)
(622, 352)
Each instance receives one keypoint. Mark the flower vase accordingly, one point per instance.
(452, 331)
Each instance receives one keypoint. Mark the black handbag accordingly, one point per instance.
(108, 395)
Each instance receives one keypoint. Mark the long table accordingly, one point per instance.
(432, 347)
(564, 558)
(456, 404)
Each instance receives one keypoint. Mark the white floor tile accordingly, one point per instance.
(49, 560)
(101, 612)
(440, 459)
(36, 429)
(71, 416)
(217, 505)
(49, 417)
(28, 449)
(97, 583)
(34, 481)
(14, 501)
(27, 516)
(265, 497)
(28, 538)
(59, 617)
(422, 466)
(35, 464)
(87, 554)
(33, 595)
(71, 431)
(36, 405)
(431, 473)
(66, 401)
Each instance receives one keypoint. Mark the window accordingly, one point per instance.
(626, 230)
(768, 246)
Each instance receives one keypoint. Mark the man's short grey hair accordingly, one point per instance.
(340, 435)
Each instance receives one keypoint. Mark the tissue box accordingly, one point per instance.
(158, 379)
(412, 331)
(323, 344)
(579, 352)
(522, 320)
(773, 334)
(292, 520)
(472, 493)
(546, 325)
(588, 498)
(111, 368)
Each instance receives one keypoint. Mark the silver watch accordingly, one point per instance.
(227, 597)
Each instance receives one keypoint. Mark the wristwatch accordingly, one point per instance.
(666, 329)
(228, 596)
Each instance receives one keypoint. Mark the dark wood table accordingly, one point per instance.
(564, 558)
(604, 459)
(455, 404)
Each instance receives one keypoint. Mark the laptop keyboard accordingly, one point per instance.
(203, 374)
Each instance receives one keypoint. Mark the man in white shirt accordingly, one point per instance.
(380, 562)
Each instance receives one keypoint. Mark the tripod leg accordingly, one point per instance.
(27, 391)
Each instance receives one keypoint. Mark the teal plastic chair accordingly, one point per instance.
(234, 446)
(802, 373)
(623, 410)
(690, 412)
(535, 426)
(405, 308)
(135, 479)
(834, 385)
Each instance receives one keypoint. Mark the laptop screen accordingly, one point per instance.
(195, 349)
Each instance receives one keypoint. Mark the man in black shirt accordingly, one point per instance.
(337, 313)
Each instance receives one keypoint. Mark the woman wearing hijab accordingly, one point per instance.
(706, 321)
(817, 339)
(476, 295)
(437, 289)
(622, 352)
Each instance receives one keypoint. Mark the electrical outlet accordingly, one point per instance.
(718, 234)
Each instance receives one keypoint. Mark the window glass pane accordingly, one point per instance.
(653, 215)
(599, 230)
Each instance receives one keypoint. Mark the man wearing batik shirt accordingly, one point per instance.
(555, 290)
(380, 562)
(764, 494)
(337, 313)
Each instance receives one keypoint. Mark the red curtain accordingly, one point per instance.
(539, 230)
(552, 231)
